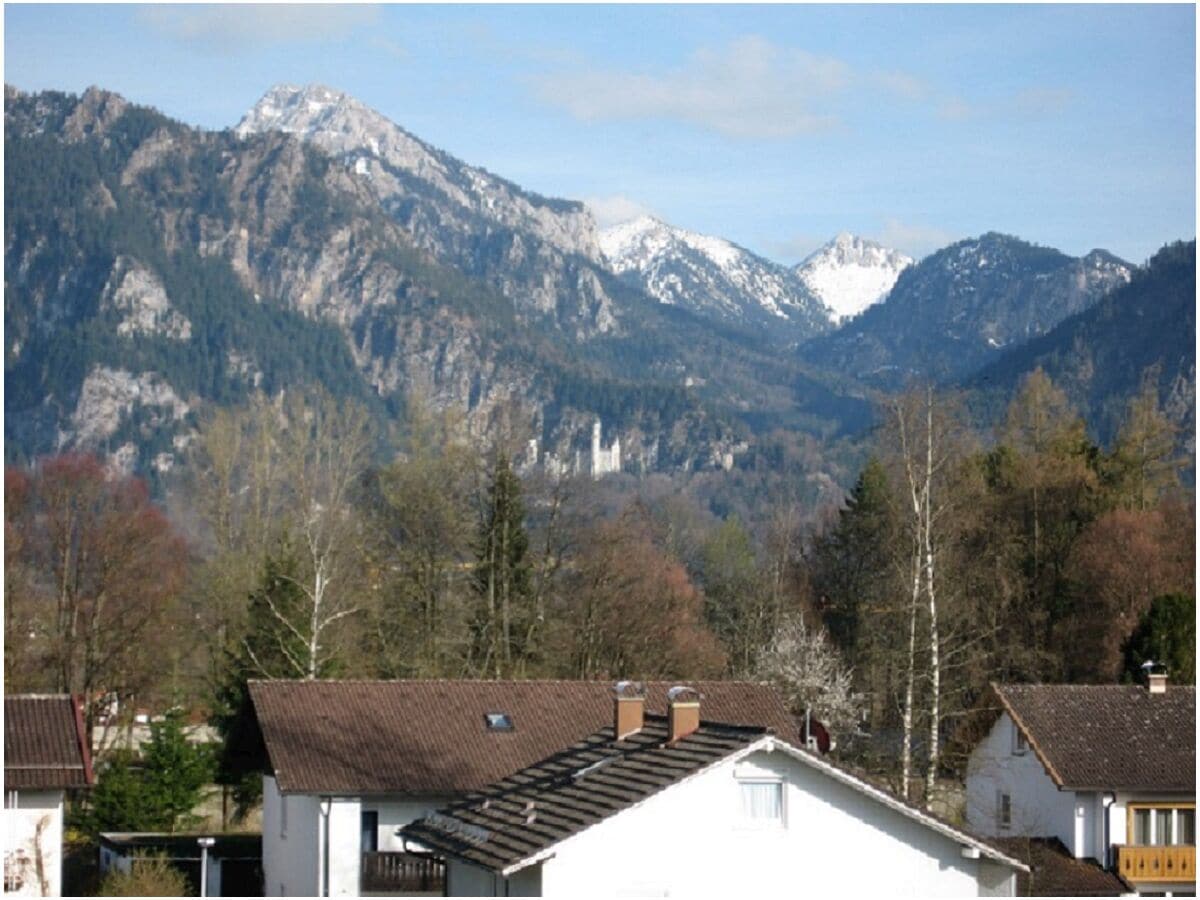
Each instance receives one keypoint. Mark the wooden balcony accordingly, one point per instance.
(402, 873)
(1156, 863)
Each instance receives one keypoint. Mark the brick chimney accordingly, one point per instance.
(683, 712)
(629, 708)
(1156, 676)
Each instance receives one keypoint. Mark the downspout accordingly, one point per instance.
(1107, 827)
(326, 808)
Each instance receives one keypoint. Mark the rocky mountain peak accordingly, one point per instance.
(301, 110)
(711, 276)
(851, 273)
(378, 149)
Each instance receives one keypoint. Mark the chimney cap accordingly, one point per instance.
(683, 693)
(629, 690)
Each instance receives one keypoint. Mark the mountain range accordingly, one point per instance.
(153, 269)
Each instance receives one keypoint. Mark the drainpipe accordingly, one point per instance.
(326, 808)
(1107, 828)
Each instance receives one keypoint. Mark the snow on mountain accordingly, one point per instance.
(851, 273)
(379, 149)
(711, 276)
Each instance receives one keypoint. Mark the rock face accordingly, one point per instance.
(957, 309)
(713, 278)
(539, 252)
(851, 273)
(136, 294)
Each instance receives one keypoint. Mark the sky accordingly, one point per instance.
(773, 126)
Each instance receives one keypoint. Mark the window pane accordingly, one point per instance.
(1185, 826)
(762, 800)
(1162, 826)
(1141, 827)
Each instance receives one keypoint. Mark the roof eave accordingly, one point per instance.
(1043, 758)
(903, 808)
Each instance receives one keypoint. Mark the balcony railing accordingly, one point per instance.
(402, 873)
(1176, 863)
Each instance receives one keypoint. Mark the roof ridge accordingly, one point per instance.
(508, 681)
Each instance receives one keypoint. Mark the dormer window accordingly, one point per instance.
(498, 721)
(1020, 745)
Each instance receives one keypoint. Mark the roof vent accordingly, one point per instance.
(1156, 681)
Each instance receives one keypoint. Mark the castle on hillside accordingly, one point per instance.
(604, 461)
(600, 461)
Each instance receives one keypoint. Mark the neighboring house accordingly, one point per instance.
(353, 761)
(1107, 773)
(657, 805)
(45, 754)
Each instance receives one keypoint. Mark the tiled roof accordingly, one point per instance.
(1056, 873)
(597, 777)
(44, 744)
(1109, 737)
(430, 738)
(506, 825)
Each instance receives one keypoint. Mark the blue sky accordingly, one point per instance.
(773, 126)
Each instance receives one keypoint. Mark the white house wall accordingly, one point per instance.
(394, 814)
(36, 809)
(692, 840)
(291, 858)
(1039, 808)
(345, 846)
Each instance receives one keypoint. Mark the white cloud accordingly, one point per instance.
(615, 209)
(914, 239)
(226, 28)
(749, 89)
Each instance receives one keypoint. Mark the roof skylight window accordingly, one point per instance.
(498, 721)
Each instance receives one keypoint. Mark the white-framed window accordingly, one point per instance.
(1003, 810)
(762, 801)
(1020, 746)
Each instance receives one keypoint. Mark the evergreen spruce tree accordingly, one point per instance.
(158, 794)
(1167, 635)
(268, 649)
(503, 577)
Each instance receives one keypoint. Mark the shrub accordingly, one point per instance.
(148, 876)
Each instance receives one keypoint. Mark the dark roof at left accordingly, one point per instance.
(45, 745)
(597, 777)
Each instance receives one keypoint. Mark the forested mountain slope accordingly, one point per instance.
(1099, 356)
(957, 309)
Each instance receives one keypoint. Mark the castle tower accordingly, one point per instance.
(597, 464)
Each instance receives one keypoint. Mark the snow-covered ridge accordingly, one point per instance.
(708, 274)
(851, 273)
(371, 144)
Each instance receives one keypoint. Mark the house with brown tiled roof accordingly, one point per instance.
(683, 805)
(45, 754)
(351, 762)
(1107, 773)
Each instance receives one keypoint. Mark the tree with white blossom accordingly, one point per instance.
(812, 675)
